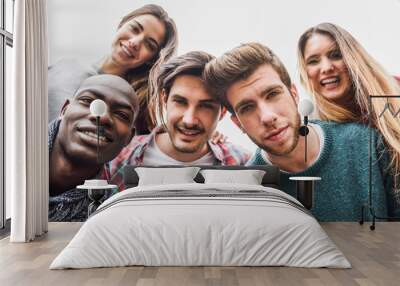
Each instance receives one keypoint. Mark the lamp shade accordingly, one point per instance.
(98, 107)
(306, 107)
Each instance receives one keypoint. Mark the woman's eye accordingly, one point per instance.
(312, 62)
(134, 29)
(85, 100)
(336, 55)
(151, 46)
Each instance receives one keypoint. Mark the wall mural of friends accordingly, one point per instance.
(165, 107)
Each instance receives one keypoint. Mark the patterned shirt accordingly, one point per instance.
(71, 205)
(225, 154)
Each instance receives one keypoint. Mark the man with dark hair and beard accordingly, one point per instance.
(255, 87)
(189, 115)
(73, 142)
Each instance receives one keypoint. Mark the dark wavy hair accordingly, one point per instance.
(144, 78)
(192, 63)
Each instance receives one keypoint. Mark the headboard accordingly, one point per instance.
(270, 179)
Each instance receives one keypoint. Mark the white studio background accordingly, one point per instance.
(84, 29)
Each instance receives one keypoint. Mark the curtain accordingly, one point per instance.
(26, 123)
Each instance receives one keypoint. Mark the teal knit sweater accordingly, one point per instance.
(343, 166)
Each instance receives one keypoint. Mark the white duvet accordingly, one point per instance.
(225, 225)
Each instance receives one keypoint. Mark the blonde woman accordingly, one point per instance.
(341, 76)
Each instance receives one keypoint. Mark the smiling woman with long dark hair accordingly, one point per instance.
(145, 38)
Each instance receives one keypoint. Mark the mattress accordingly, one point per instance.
(201, 225)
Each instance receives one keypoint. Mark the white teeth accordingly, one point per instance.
(330, 80)
(125, 49)
(189, 132)
(94, 135)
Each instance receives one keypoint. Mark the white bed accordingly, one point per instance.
(201, 224)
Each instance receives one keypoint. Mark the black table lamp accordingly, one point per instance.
(306, 107)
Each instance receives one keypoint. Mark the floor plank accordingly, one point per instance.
(374, 255)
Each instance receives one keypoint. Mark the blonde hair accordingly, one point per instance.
(144, 78)
(368, 77)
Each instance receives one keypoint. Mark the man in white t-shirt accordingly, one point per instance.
(189, 115)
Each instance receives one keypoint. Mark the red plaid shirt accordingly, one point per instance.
(133, 154)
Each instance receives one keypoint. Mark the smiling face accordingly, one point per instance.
(137, 41)
(192, 114)
(77, 133)
(266, 110)
(326, 69)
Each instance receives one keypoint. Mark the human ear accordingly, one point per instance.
(237, 122)
(64, 107)
(164, 96)
(223, 112)
(294, 93)
(129, 139)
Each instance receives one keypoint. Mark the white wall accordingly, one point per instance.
(85, 28)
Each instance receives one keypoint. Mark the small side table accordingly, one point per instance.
(305, 190)
(96, 194)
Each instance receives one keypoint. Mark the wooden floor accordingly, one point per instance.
(374, 255)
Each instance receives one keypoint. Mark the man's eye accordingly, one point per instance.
(245, 108)
(122, 115)
(272, 94)
(208, 105)
(179, 102)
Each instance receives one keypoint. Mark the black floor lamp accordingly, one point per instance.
(369, 206)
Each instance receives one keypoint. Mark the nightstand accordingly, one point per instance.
(305, 190)
(96, 195)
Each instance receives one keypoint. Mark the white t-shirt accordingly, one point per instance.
(320, 134)
(154, 156)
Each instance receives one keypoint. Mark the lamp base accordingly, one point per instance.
(305, 193)
(305, 190)
(374, 217)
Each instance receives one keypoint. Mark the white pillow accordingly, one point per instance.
(163, 176)
(249, 177)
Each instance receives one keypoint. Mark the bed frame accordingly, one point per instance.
(270, 179)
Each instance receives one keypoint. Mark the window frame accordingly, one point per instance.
(6, 39)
